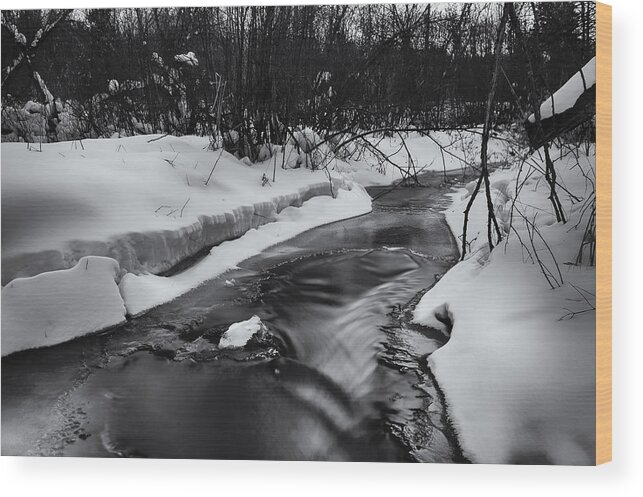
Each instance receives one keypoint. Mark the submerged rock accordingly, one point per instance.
(243, 341)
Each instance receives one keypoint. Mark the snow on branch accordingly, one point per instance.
(571, 105)
(27, 52)
(567, 95)
(187, 58)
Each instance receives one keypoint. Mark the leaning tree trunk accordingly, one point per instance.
(26, 53)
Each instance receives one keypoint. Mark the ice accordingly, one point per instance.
(238, 334)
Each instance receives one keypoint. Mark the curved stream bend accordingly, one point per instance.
(340, 376)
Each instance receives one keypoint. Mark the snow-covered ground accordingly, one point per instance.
(146, 203)
(442, 151)
(87, 230)
(56, 306)
(77, 218)
(518, 369)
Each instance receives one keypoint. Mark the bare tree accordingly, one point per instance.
(484, 170)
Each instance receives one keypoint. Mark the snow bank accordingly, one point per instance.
(238, 334)
(518, 370)
(144, 204)
(460, 150)
(566, 96)
(148, 205)
(142, 292)
(57, 306)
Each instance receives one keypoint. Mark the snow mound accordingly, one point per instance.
(518, 370)
(306, 139)
(57, 306)
(238, 334)
(32, 123)
(146, 202)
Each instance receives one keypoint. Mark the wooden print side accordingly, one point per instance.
(604, 233)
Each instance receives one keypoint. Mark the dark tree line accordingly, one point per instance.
(263, 69)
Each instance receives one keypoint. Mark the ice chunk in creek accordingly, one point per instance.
(238, 334)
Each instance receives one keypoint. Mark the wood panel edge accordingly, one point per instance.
(604, 233)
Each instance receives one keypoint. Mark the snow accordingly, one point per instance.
(238, 334)
(186, 58)
(145, 206)
(19, 38)
(142, 292)
(518, 369)
(306, 139)
(57, 306)
(566, 96)
(43, 87)
(461, 149)
(30, 122)
(145, 203)
(113, 86)
(322, 76)
(157, 58)
(34, 107)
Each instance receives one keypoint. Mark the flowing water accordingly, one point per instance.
(341, 375)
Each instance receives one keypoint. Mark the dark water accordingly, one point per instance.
(341, 377)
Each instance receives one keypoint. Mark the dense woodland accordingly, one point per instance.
(258, 70)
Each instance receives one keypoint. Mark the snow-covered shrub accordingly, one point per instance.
(230, 138)
(34, 107)
(306, 139)
(186, 58)
(312, 151)
(36, 122)
(348, 151)
(113, 86)
(265, 152)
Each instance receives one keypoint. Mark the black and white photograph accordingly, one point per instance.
(351, 233)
